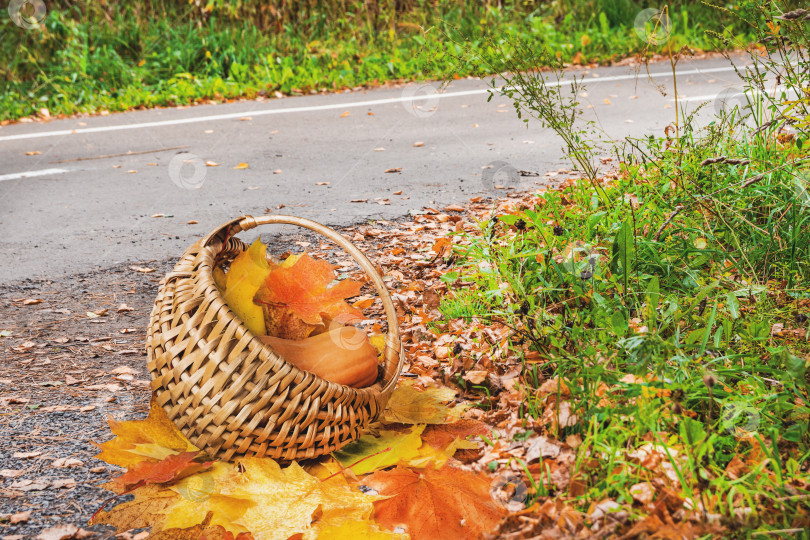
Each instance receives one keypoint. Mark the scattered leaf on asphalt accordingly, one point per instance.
(19, 517)
(393, 170)
(212, 164)
(64, 462)
(64, 532)
(26, 455)
(32, 301)
(34, 153)
(242, 165)
(142, 269)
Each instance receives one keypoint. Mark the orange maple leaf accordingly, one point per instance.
(168, 469)
(443, 503)
(303, 287)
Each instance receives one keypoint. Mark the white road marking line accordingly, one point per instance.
(333, 106)
(728, 97)
(31, 174)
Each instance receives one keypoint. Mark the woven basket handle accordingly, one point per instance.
(393, 354)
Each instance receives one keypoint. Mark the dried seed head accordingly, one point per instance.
(709, 380)
(558, 231)
(520, 225)
(524, 307)
(457, 349)
(676, 408)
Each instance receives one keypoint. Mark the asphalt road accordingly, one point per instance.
(79, 194)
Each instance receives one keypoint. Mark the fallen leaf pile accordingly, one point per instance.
(400, 482)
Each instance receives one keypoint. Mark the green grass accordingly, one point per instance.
(708, 292)
(672, 303)
(155, 53)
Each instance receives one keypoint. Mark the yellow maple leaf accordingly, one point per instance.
(411, 406)
(258, 496)
(370, 453)
(136, 441)
(355, 530)
(246, 274)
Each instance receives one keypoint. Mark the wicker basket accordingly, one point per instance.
(227, 392)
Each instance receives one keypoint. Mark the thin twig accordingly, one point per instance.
(667, 222)
(125, 154)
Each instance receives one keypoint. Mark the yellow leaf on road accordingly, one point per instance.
(242, 165)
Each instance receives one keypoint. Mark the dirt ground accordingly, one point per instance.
(62, 373)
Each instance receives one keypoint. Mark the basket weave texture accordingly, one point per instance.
(225, 390)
